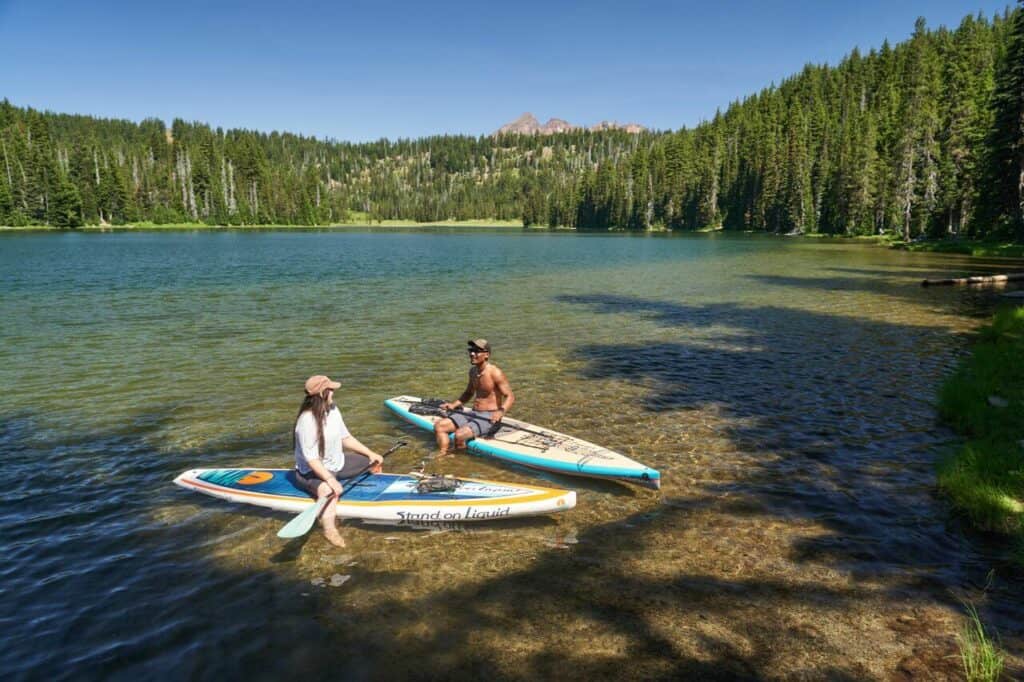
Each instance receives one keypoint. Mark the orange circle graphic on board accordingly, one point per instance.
(255, 477)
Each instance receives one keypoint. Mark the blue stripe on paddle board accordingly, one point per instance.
(373, 488)
(282, 482)
(487, 448)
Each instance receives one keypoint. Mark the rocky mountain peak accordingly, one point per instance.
(527, 124)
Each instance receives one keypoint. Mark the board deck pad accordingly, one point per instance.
(541, 448)
(383, 497)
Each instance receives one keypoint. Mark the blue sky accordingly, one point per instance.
(355, 70)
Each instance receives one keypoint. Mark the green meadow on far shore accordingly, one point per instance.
(204, 226)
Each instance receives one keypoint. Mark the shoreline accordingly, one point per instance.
(189, 227)
(967, 247)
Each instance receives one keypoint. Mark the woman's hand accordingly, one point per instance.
(376, 462)
(335, 487)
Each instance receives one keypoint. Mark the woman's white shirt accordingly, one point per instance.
(307, 447)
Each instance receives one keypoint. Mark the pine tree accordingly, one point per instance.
(797, 193)
(640, 206)
(1005, 186)
(917, 157)
(968, 85)
(65, 210)
(6, 203)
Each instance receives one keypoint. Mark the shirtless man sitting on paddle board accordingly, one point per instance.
(487, 383)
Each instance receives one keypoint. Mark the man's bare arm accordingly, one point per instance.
(504, 388)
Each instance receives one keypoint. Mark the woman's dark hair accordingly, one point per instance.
(317, 404)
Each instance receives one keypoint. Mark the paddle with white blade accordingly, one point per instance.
(301, 524)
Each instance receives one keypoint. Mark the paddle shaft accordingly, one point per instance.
(497, 425)
(500, 423)
(366, 470)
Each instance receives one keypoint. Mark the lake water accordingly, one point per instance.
(784, 388)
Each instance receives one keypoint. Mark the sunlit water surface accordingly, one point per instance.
(784, 388)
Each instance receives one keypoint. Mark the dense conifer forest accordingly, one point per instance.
(924, 138)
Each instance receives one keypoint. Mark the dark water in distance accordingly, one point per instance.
(785, 389)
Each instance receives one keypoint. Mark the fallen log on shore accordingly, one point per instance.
(980, 279)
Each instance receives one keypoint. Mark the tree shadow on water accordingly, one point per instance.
(831, 422)
(876, 285)
(926, 271)
(890, 288)
(139, 586)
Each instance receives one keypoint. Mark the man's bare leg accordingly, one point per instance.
(442, 430)
(462, 435)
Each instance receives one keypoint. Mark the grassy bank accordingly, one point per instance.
(358, 219)
(984, 401)
(970, 247)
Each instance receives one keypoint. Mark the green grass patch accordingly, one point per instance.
(984, 401)
(361, 219)
(970, 247)
(886, 239)
(982, 659)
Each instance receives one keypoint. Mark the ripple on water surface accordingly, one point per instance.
(784, 389)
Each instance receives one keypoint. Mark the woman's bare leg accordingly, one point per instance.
(329, 516)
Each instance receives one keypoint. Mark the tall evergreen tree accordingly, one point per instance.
(6, 203)
(65, 209)
(1005, 187)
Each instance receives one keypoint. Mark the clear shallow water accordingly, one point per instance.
(784, 388)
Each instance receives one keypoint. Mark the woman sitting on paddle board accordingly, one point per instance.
(320, 441)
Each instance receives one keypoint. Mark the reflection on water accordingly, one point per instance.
(784, 389)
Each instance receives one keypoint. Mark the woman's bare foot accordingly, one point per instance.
(334, 537)
(327, 521)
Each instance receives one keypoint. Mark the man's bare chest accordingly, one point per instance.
(482, 381)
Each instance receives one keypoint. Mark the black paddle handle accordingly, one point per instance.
(366, 470)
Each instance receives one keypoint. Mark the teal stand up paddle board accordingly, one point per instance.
(534, 446)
